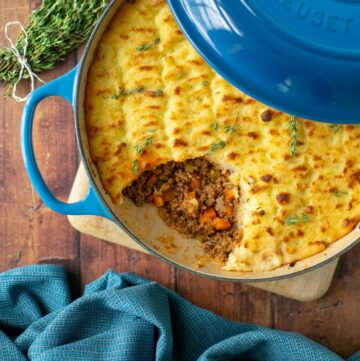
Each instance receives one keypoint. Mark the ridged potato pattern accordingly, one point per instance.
(151, 98)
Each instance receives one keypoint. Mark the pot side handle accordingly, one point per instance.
(91, 204)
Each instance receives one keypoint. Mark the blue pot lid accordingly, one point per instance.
(299, 56)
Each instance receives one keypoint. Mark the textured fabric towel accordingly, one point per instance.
(125, 317)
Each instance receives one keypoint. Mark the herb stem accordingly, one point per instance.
(54, 29)
(294, 136)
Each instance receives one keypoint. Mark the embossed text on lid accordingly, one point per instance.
(325, 25)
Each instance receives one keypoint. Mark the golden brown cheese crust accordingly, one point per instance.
(146, 107)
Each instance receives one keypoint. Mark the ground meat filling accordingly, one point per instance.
(194, 197)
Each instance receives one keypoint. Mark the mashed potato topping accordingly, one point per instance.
(151, 99)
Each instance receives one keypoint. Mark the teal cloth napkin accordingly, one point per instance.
(125, 317)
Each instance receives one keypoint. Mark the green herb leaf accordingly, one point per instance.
(204, 83)
(115, 96)
(229, 129)
(138, 149)
(336, 128)
(144, 47)
(138, 90)
(295, 219)
(293, 135)
(159, 93)
(217, 146)
(135, 166)
(148, 141)
(305, 218)
(337, 193)
(125, 92)
(214, 125)
(290, 220)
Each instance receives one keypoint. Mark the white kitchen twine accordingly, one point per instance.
(22, 61)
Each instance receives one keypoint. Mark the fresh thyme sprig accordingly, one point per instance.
(293, 135)
(338, 193)
(159, 93)
(144, 47)
(217, 146)
(126, 92)
(214, 125)
(336, 128)
(135, 166)
(229, 129)
(140, 148)
(138, 90)
(295, 219)
(54, 29)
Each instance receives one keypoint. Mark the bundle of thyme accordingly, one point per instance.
(54, 29)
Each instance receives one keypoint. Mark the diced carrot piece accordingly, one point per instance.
(168, 195)
(229, 194)
(208, 215)
(195, 183)
(221, 224)
(158, 201)
(190, 195)
(152, 180)
(229, 210)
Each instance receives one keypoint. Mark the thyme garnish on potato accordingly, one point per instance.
(138, 90)
(140, 148)
(144, 47)
(217, 146)
(338, 193)
(336, 128)
(125, 93)
(229, 129)
(295, 219)
(214, 125)
(135, 166)
(159, 93)
(293, 135)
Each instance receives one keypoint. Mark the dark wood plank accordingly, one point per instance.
(98, 256)
(26, 224)
(228, 299)
(15, 220)
(331, 320)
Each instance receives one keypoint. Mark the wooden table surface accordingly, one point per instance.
(42, 236)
